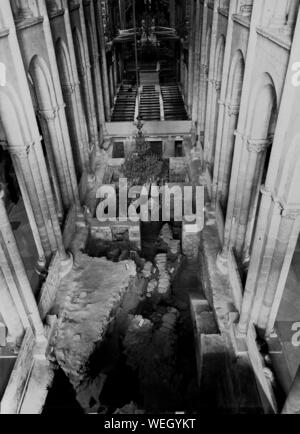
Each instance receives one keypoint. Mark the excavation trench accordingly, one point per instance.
(146, 360)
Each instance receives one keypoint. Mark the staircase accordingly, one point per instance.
(124, 109)
(173, 103)
(149, 104)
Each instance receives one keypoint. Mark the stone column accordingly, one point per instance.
(27, 182)
(213, 86)
(284, 249)
(49, 116)
(292, 403)
(97, 71)
(53, 222)
(255, 160)
(19, 272)
(191, 57)
(196, 83)
(31, 215)
(61, 121)
(9, 313)
(223, 120)
(203, 74)
(51, 165)
(73, 89)
(213, 122)
(230, 124)
(239, 164)
(266, 230)
(102, 45)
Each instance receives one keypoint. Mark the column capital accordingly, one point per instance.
(258, 145)
(217, 85)
(21, 151)
(233, 110)
(48, 115)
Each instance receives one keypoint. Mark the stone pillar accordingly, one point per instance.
(19, 272)
(284, 249)
(230, 124)
(49, 116)
(239, 164)
(9, 313)
(191, 57)
(225, 122)
(266, 229)
(31, 214)
(196, 83)
(203, 74)
(213, 87)
(73, 89)
(292, 403)
(102, 45)
(20, 158)
(86, 79)
(210, 155)
(97, 71)
(61, 121)
(51, 164)
(255, 160)
(53, 221)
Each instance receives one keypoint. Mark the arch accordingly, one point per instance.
(262, 108)
(43, 83)
(236, 75)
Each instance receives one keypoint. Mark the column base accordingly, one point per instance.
(222, 263)
(66, 265)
